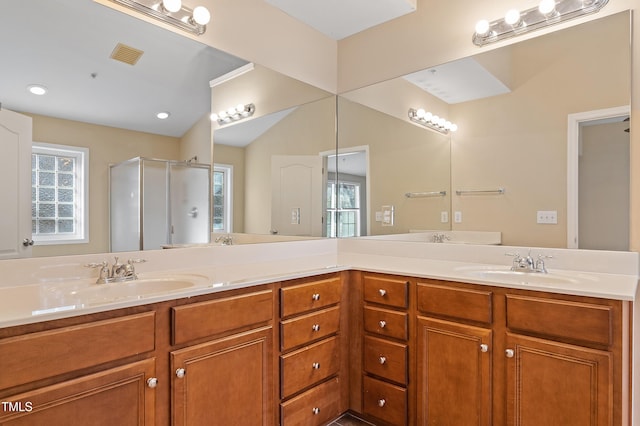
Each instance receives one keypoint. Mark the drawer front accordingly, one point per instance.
(386, 291)
(560, 319)
(50, 353)
(385, 359)
(308, 366)
(214, 317)
(308, 328)
(308, 297)
(317, 406)
(385, 401)
(386, 323)
(464, 304)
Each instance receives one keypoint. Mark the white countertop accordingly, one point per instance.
(34, 290)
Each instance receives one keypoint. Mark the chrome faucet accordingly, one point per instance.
(225, 240)
(527, 264)
(440, 237)
(117, 272)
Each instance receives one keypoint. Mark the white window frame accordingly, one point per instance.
(81, 211)
(333, 211)
(227, 169)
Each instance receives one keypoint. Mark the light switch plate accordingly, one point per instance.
(457, 217)
(387, 215)
(444, 217)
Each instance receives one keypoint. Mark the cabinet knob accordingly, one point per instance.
(152, 382)
(382, 292)
(509, 353)
(180, 373)
(315, 297)
(382, 359)
(315, 327)
(484, 348)
(315, 410)
(315, 365)
(382, 323)
(382, 402)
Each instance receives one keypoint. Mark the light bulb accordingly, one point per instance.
(214, 116)
(428, 116)
(482, 27)
(454, 127)
(547, 7)
(240, 108)
(172, 5)
(434, 119)
(232, 111)
(222, 114)
(447, 125)
(201, 15)
(441, 122)
(512, 17)
(420, 113)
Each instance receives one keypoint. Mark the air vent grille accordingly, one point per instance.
(127, 54)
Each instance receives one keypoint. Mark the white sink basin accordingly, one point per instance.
(95, 294)
(532, 278)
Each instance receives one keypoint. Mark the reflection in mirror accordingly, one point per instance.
(277, 158)
(103, 104)
(514, 138)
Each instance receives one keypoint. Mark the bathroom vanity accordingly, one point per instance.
(300, 339)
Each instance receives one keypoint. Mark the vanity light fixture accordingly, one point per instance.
(431, 121)
(548, 12)
(237, 113)
(172, 12)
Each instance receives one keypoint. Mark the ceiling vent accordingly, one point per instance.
(126, 54)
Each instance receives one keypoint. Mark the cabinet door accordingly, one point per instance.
(454, 374)
(225, 382)
(551, 383)
(119, 396)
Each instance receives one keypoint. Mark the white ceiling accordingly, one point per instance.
(341, 18)
(61, 43)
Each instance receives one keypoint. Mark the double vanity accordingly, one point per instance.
(298, 333)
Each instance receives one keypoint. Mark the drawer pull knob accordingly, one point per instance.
(382, 402)
(180, 373)
(509, 353)
(484, 348)
(383, 359)
(315, 365)
(383, 292)
(315, 327)
(315, 297)
(315, 410)
(152, 382)
(382, 323)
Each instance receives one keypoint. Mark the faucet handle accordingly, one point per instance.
(96, 264)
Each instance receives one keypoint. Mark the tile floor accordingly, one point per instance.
(349, 420)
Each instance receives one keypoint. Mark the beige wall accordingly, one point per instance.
(107, 145)
(197, 141)
(403, 157)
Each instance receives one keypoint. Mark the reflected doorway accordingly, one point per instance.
(347, 193)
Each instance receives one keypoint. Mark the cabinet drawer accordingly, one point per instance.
(49, 353)
(316, 406)
(385, 401)
(385, 359)
(440, 300)
(386, 291)
(205, 319)
(307, 297)
(308, 366)
(560, 319)
(386, 323)
(307, 328)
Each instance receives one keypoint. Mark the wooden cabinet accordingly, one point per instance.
(311, 352)
(76, 373)
(385, 359)
(228, 378)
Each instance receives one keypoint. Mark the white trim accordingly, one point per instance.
(573, 153)
(231, 75)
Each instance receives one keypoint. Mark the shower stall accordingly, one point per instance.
(154, 203)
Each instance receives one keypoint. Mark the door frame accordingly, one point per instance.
(573, 154)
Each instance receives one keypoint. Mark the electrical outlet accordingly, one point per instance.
(457, 217)
(547, 217)
(444, 217)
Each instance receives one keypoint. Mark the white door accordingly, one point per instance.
(296, 195)
(15, 185)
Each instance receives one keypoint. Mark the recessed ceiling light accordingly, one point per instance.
(37, 89)
(163, 115)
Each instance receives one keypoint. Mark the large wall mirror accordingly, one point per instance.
(507, 168)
